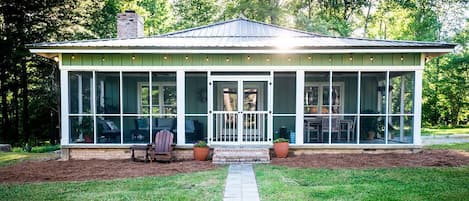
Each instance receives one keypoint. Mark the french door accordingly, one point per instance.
(240, 110)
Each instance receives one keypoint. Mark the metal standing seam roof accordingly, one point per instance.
(240, 33)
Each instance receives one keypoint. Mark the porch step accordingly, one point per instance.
(233, 155)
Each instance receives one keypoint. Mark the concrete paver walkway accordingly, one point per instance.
(241, 183)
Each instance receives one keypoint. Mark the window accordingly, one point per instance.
(317, 98)
(163, 98)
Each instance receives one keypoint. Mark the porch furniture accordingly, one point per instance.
(312, 126)
(349, 126)
(140, 134)
(193, 131)
(142, 148)
(162, 147)
(107, 130)
(335, 126)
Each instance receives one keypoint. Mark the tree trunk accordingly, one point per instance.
(367, 19)
(5, 117)
(15, 114)
(25, 98)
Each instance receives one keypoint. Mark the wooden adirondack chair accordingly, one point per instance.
(162, 146)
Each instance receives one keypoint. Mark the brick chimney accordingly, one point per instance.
(129, 25)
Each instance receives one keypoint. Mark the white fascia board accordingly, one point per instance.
(243, 68)
(241, 51)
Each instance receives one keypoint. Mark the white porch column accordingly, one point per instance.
(180, 100)
(300, 82)
(418, 102)
(64, 130)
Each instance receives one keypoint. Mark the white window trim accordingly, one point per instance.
(321, 86)
(160, 86)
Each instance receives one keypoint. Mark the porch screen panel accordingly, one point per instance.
(80, 107)
(80, 92)
(401, 107)
(81, 129)
(284, 93)
(136, 107)
(345, 108)
(107, 93)
(108, 127)
(163, 103)
(284, 106)
(284, 127)
(373, 107)
(196, 117)
(317, 107)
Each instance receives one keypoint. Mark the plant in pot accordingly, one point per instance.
(281, 147)
(201, 150)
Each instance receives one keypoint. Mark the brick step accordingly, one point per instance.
(240, 155)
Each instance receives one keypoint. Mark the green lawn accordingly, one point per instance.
(195, 186)
(455, 146)
(283, 183)
(444, 131)
(9, 158)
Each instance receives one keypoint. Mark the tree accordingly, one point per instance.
(328, 17)
(193, 13)
(268, 11)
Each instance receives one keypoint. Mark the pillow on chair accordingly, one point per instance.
(142, 124)
(111, 125)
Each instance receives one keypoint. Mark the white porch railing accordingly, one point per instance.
(254, 127)
(226, 127)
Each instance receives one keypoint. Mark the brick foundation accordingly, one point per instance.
(116, 153)
(185, 153)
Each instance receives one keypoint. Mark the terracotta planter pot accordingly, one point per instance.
(281, 149)
(201, 153)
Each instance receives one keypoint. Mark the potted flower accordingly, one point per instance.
(281, 147)
(201, 151)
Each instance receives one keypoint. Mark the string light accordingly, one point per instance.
(309, 57)
(249, 57)
(165, 57)
(268, 59)
(73, 56)
(56, 59)
(289, 59)
(227, 59)
(133, 57)
(402, 58)
(206, 58)
(187, 57)
(372, 58)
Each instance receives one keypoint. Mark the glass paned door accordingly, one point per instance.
(254, 111)
(240, 111)
(225, 111)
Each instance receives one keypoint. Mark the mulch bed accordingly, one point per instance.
(425, 158)
(80, 170)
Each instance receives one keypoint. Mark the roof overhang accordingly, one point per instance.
(433, 51)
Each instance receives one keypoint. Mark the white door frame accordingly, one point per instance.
(240, 92)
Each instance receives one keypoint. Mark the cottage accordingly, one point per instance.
(238, 82)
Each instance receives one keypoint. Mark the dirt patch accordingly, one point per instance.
(424, 158)
(80, 170)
